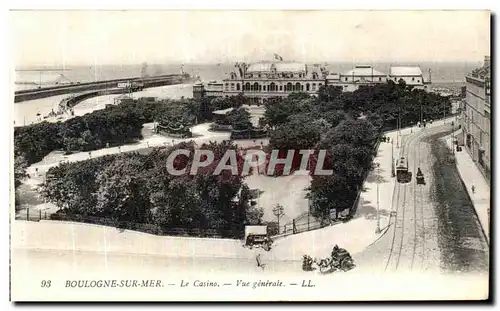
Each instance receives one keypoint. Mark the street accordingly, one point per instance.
(433, 234)
(434, 227)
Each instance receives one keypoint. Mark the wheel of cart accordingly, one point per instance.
(346, 263)
(325, 265)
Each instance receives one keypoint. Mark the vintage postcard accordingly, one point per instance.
(250, 155)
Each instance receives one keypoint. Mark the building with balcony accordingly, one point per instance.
(263, 80)
(476, 116)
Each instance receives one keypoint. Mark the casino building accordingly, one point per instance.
(263, 80)
(269, 79)
(476, 117)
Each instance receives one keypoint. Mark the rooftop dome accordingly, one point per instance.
(290, 67)
(259, 67)
(280, 67)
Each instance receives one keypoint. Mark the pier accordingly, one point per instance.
(24, 95)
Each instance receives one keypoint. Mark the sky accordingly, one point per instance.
(63, 38)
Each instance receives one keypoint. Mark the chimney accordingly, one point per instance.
(487, 61)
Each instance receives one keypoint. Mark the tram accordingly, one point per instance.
(402, 174)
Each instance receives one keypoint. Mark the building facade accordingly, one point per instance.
(476, 116)
(358, 76)
(411, 75)
(264, 80)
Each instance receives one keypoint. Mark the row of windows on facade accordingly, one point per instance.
(289, 87)
(380, 79)
(475, 125)
(281, 75)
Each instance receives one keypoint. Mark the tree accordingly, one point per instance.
(239, 119)
(295, 135)
(278, 111)
(330, 94)
(20, 166)
(355, 132)
(279, 212)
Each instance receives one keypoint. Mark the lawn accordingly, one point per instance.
(288, 191)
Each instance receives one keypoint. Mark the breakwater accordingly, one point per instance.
(24, 95)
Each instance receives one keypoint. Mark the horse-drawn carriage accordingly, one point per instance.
(340, 259)
(420, 177)
(257, 236)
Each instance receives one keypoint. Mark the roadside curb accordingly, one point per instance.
(469, 196)
(382, 233)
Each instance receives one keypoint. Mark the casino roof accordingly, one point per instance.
(280, 67)
(259, 67)
(290, 67)
(405, 71)
(365, 71)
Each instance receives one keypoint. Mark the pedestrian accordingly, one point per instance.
(259, 263)
(473, 189)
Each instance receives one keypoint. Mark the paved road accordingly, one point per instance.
(434, 227)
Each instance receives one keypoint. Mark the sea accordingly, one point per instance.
(449, 75)
(26, 77)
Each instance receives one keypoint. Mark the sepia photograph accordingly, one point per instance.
(258, 155)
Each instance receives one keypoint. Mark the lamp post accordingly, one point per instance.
(399, 128)
(444, 114)
(377, 230)
(421, 113)
(453, 137)
(392, 159)
(308, 213)
(397, 134)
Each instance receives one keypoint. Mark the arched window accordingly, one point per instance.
(314, 86)
(307, 87)
(272, 87)
(301, 87)
(314, 75)
(319, 85)
(259, 75)
(297, 87)
(256, 87)
(345, 78)
(237, 86)
(247, 86)
(288, 87)
(379, 79)
(264, 87)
